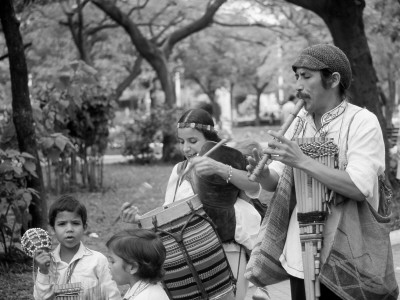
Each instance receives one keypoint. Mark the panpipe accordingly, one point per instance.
(312, 207)
(75, 291)
(68, 291)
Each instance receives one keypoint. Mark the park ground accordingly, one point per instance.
(121, 182)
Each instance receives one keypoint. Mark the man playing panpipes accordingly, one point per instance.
(323, 76)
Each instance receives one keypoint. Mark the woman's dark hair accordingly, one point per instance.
(200, 116)
(67, 203)
(142, 247)
(326, 76)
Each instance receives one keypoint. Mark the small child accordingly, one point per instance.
(136, 257)
(71, 261)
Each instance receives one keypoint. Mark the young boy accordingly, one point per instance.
(71, 261)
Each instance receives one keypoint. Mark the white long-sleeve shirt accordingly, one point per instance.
(91, 270)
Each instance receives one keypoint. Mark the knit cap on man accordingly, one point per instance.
(325, 56)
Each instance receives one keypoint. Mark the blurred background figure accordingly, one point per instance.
(287, 108)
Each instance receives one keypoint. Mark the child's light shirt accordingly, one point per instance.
(147, 292)
(91, 270)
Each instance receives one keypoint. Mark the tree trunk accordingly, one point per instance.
(21, 105)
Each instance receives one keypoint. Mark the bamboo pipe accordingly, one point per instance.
(282, 131)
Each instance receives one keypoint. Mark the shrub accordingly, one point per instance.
(15, 197)
(157, 126)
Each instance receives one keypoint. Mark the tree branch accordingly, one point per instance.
(193, 27)
(135, 72)
(273, 28)
(144, 46)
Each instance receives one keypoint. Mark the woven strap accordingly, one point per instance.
(70, 270)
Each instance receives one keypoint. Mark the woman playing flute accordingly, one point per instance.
(195, 128)
(323, 75)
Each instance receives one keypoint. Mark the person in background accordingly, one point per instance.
(247, 147)
(288, 108)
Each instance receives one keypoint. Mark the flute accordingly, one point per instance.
(282, 131)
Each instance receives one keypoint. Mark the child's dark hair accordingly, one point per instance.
(201, 117)
(142, 247)
(67, 203)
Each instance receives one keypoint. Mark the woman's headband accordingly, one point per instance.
(196, 126)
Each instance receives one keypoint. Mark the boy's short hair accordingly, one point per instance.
(142, 247)
(67, 203)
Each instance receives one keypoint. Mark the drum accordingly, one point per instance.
(196, 266)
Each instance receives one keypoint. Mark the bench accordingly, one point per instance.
(392, 133)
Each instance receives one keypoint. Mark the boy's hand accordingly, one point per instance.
(42, 259)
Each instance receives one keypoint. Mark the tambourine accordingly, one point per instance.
(35, 239)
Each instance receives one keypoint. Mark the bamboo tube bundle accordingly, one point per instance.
(75, 291)
(312, 199)
(68, 291)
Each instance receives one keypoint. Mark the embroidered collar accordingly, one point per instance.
(330, 115)
(333, 113)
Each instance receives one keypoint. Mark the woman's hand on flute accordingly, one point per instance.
(129, 213)
(286, 151)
